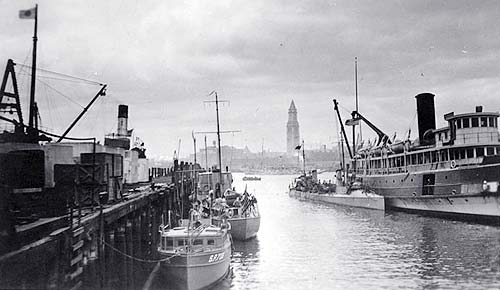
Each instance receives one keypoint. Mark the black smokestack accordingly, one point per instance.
(426, 117)
(122, 111)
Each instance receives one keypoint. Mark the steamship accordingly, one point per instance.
(454, 170)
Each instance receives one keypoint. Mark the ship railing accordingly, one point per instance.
(468, 162)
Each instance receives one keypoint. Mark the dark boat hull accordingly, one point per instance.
(446, 181)
(482, 206)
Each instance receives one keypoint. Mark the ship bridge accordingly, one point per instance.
(468, 129)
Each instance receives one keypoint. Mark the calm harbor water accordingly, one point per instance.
(303, 245)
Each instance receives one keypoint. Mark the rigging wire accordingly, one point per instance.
(65, 75)
(138, 259)
(57, 91)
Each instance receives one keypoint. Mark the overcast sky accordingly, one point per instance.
(163, 58)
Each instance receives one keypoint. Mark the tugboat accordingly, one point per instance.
(454, 170)
(196, 255)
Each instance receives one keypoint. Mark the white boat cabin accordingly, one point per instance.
(470, 139)
(180, 239)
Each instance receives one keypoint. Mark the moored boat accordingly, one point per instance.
(196, 256)
(451, 170)
(307, 187)
(242, 213)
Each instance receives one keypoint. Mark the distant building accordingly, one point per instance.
(292, 130)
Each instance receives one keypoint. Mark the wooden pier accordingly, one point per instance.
(71, 251)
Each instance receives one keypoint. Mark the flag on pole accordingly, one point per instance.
(298, 147)
(27, 14)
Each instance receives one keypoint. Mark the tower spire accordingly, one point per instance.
(292, 129)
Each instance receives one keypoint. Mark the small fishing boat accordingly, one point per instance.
(251, 178)
(241, 211)
(195, 256)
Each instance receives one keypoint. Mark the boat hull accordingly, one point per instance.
(243, 229)
(485, 206)
(445, 181)
(197, 271)
(362, 201)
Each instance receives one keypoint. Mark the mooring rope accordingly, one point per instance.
(139, 259)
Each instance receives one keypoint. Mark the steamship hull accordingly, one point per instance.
(454, 192)
(460, 180)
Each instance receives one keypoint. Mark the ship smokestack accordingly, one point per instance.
(426, 117)
(122, 120)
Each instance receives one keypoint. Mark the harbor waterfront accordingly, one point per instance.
(307, 245)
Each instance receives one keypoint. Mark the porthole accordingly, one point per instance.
(446, 177)
(412, 180)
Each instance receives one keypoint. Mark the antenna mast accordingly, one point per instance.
(32, 115)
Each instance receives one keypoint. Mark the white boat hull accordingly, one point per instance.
(481, 205)
(197, 271)
(371, 201)
(244, 228)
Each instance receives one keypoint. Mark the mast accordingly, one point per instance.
(221, 180)
(356, 92)
(303, 158)
(194, 170)
(32, 114)
(206, 153)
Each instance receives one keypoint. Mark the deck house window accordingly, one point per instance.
(170, 243)
(457, 154)
(180, 243)
(498, 150)
(459, 123)
(475, 122)
(445, 135)
(491, 122)
(420, 158)
(427, 157)
(490, 151)
(484, 122)
(462, 153)
(466, 123)
(479, 152)
(470, 153)
(434, 156)
(413, 159)
(496, 125)
(444, 155)
(198, 242)
(210, 242)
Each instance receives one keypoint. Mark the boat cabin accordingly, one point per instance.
(208, 180)
(179, 239)
(469, 139)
